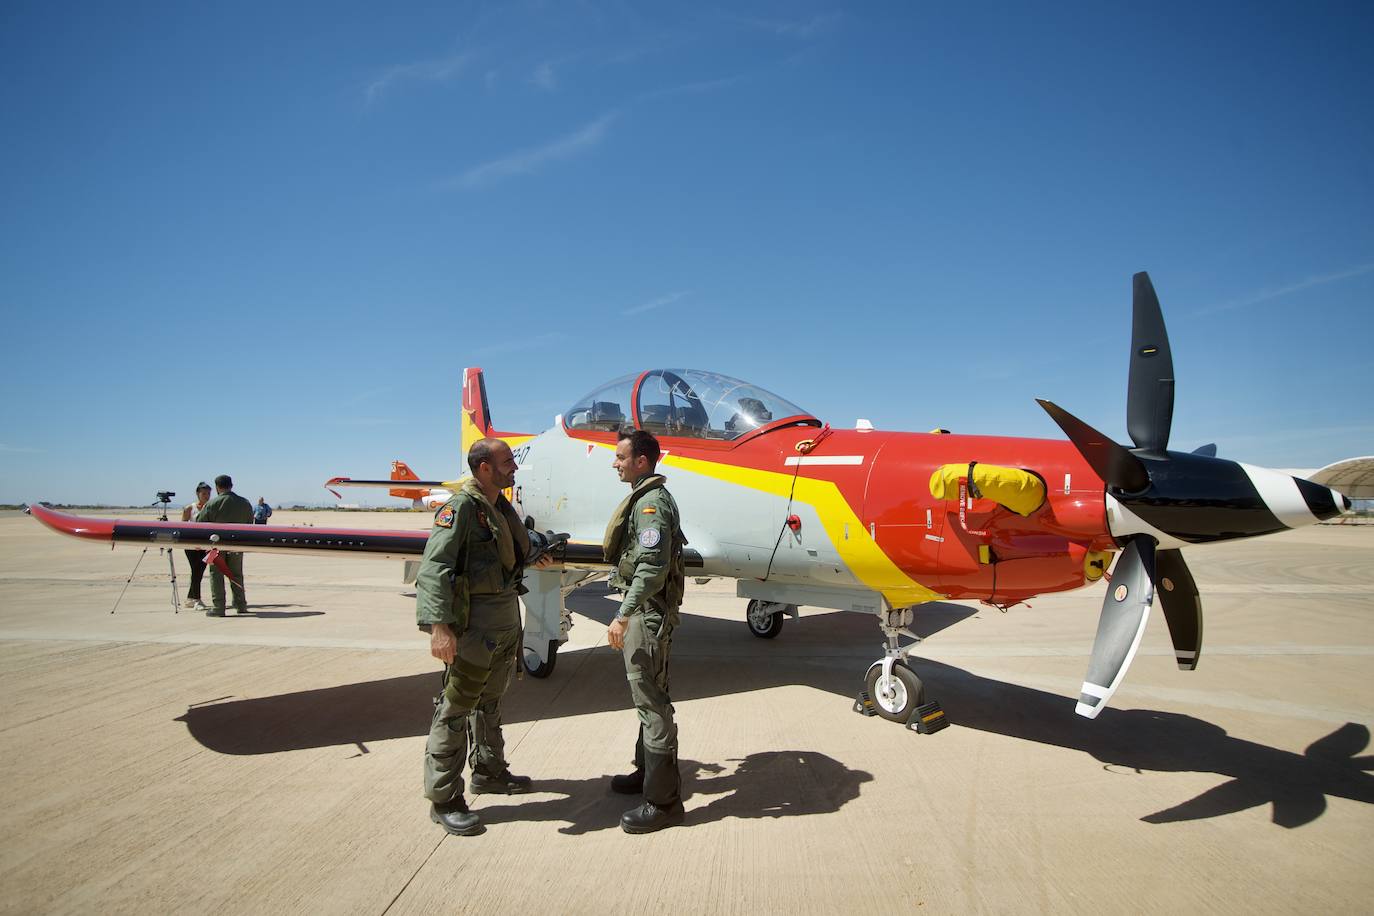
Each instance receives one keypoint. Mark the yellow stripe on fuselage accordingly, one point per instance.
(859, 551)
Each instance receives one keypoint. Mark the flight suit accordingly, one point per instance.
(469, 578)
(235, 510)
(647, 562)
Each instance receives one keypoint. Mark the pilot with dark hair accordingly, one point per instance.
(467, 596)
(227, 506)
(643, 544)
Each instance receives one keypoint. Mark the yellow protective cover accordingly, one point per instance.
(1020, 491)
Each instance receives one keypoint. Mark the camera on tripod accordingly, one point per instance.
(164, 499)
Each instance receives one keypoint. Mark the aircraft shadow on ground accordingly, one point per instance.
(764, 784)
(1138, 740)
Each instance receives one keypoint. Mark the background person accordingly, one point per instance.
(196, 557)
(261, 512)
(227, 506)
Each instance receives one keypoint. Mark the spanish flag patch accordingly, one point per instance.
(445, 518)
(649, 510)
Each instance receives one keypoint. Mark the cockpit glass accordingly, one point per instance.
(706, 405)
(606, 409)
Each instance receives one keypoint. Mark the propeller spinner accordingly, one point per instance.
(1159, 501)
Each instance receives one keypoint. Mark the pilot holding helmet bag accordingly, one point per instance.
(644, 544)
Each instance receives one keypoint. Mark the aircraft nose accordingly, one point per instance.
(1295, 502)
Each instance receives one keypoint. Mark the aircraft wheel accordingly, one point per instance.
(539, 669)
(894, 697)
(763, 624)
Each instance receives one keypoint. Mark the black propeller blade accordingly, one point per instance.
(1182, 606)
(1150, 394)
(1114, 464)
(1125, 609)
(1184, 489)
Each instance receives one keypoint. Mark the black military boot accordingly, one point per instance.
(507, 783)
(628, 783)
(455, 817)
(632, 783)
(662, 797)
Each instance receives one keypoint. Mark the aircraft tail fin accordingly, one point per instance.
(475, 417)
(401, 471)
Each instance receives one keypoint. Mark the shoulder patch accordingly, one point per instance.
(649, 510)
(649, 537)
(445, 517)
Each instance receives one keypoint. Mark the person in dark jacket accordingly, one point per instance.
(227, 506)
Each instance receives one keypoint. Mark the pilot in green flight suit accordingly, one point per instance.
(644, 545)
(467, 594)
(227, 506)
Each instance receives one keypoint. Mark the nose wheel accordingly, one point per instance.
(891, 689)
(894, 695)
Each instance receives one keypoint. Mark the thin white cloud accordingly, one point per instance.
(689, 88)
(543, 77)
(655, 303)
(525, 162)
(802, 29)
(1308, 283)
(425, 71)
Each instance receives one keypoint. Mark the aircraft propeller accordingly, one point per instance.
(1156, 495)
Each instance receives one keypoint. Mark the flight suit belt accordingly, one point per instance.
(494, 612)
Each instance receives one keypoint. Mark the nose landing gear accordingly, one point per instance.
(891, 689)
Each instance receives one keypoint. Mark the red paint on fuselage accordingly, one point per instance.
(888, 489)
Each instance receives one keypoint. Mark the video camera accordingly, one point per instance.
(165, 496)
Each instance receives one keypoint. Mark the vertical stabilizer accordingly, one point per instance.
(475, 417)
(401, 471)
(476, 413)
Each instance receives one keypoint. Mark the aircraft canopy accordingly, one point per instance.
(682, 402)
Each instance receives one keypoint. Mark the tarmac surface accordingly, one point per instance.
(158, 762)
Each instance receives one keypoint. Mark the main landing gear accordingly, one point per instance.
(765, 617)
(891, 689)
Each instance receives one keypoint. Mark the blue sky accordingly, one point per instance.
(265, 239)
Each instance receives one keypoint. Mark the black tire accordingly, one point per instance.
(901, 697)
(764, 629)
(537, 668)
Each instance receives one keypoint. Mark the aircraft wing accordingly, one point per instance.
(381, 544)
(393, 484)
(451, 485)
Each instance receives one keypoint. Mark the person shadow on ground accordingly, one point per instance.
(765, 784)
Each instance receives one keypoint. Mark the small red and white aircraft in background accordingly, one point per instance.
(423, 494)
(800, 513)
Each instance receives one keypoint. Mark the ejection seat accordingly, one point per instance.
(752, 414)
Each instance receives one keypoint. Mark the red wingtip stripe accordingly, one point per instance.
(94, 529)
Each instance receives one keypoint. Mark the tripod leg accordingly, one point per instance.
(128, 580)
(176, 599)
